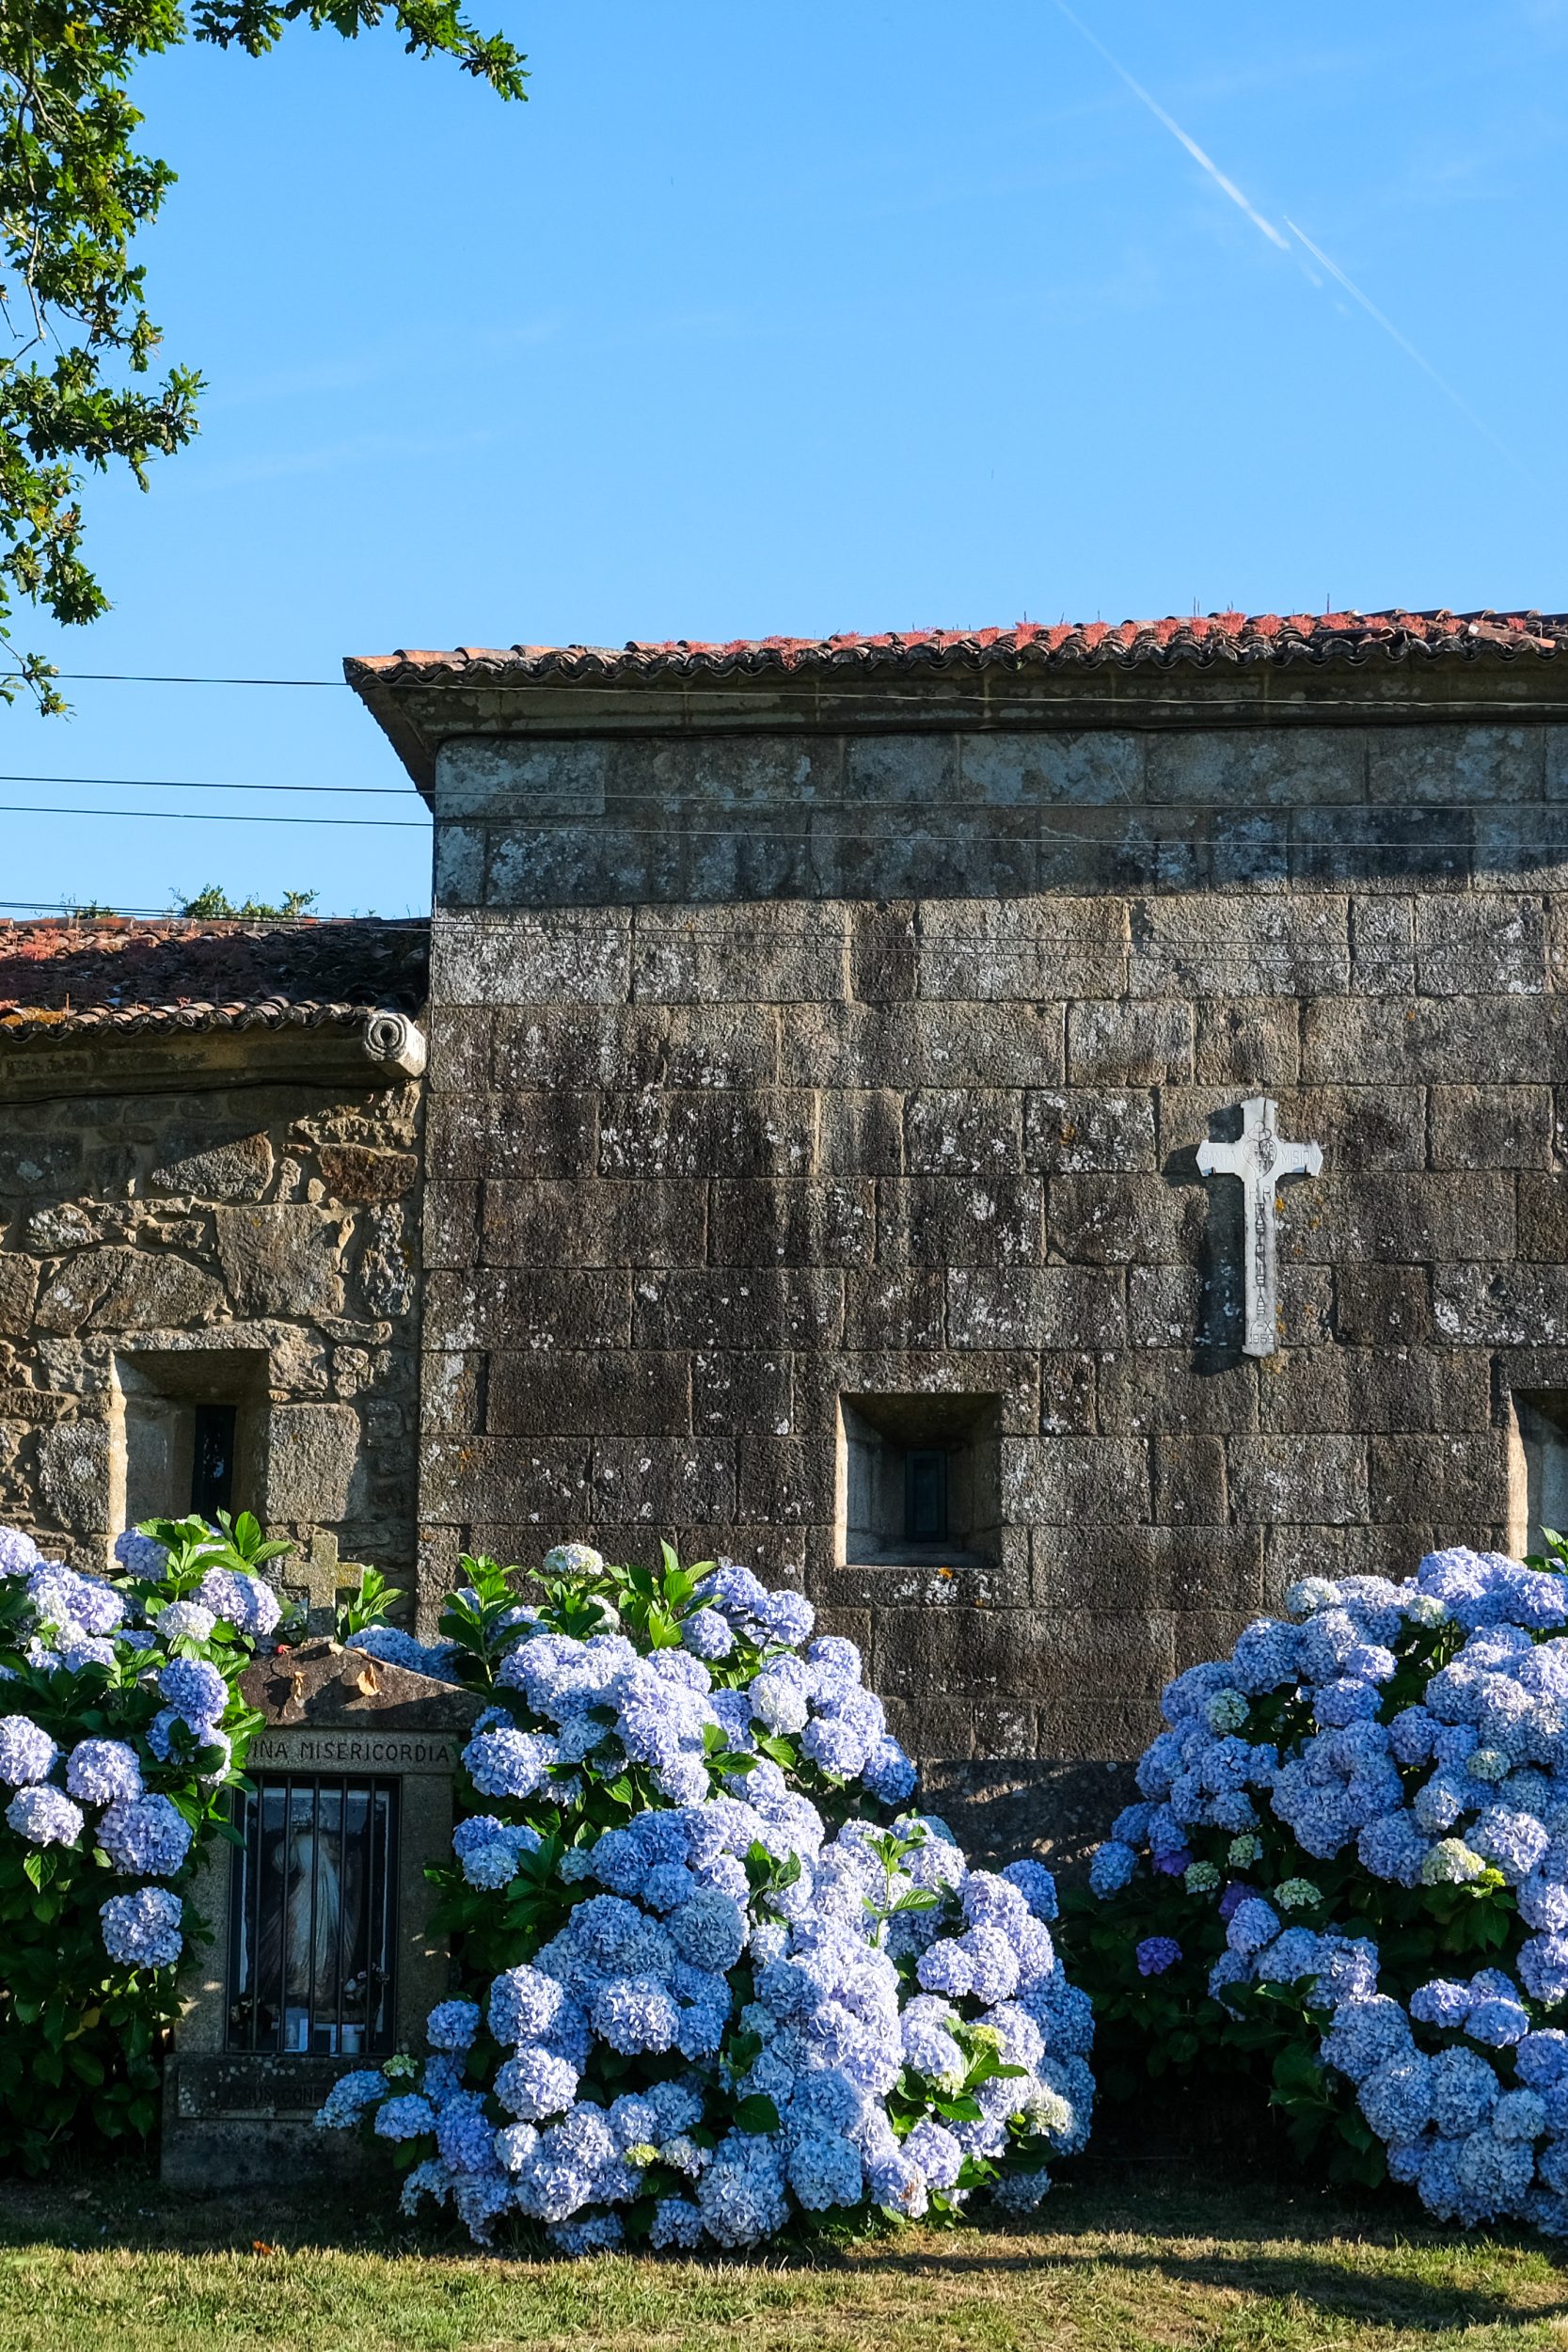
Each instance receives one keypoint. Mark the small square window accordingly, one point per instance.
(190, 1432)
(919, 1481)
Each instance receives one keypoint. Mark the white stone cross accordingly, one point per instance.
(1260, 1159)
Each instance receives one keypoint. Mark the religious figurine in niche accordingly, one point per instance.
(309, 1932)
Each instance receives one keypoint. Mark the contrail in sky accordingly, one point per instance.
(1403, 341)
(1229, 188)
(1218, 177)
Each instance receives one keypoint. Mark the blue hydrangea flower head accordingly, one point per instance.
(247, 1603)
(1035, 1884)
(707, 1634)
(397, 1647)
(1294, 1954)
(45, 1816)
(1540, 2059)
(60, 1596)
(350, 2097)
(788, 1616)
(1543, 1969)
(490, 1866)
(453, 2024)
(19, 1555)
(26, 1752)
(889, 1775)
(510, 1763)
(145, 1838)
(1499, 2023)
(1251, 1925)
(523, 2005)
(1442, 2002)
(142, 1929)
(196, 1691)
(709, 1930)
(140, 1556)
(1155, 1954)
(406, 2118)
(1396, 2098)
(837, 1659)
(100, 1772)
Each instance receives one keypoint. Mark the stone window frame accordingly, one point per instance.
(1537, 1417)
(153, 1393)
(875, 1433)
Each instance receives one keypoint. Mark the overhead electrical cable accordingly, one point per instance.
(1158, 825)
(197, 784)
(213, 816)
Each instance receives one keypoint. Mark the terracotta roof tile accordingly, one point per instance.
(1206, 639)
(114, 975)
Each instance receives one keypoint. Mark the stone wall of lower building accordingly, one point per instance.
(698, 1169)
(228, 1235)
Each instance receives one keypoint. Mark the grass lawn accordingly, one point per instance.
(1125, 2262)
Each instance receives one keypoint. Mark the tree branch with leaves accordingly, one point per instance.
(78, 393)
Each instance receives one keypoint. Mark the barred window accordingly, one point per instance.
(312, 1916)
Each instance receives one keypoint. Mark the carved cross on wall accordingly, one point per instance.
(1262, 1159)
(319, 1578)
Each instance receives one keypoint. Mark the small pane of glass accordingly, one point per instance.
(212, 1459)
(312, 1916)
(926, 1495)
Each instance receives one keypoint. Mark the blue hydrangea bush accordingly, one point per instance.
(1349, 1862)
(724, 1979)
(121, 1730)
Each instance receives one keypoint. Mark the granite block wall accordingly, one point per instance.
(250, 1243)
(766, 1073)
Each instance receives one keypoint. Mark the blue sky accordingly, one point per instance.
(826, 317)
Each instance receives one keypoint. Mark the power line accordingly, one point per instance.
(89, 909)
(211, 817)
(186, 783)
(810, 688)
(1146, 821)
(138, 678)
(55, 906)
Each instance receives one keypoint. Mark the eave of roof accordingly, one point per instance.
(1204, 640)
(19, 1024)
(1218, 669)
(108, 977)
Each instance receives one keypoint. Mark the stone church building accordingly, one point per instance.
(807, 1129)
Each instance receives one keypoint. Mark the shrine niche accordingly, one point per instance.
(321, 1958)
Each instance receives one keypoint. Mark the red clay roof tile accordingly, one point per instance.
(111, 972)
(1201, 638)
